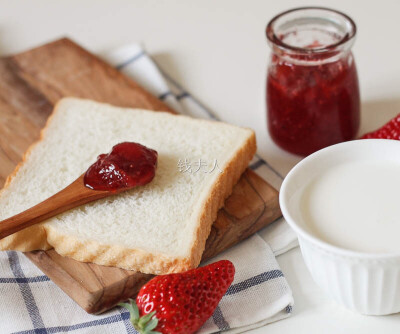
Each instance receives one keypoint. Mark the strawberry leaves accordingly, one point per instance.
(145, 324)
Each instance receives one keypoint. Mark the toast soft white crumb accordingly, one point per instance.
(158, 228)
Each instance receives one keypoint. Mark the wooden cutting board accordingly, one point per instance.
(30, 84)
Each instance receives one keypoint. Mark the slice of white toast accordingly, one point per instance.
(158, 228)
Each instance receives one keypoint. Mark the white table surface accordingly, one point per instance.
(217, 50)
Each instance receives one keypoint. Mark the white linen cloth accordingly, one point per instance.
(31, 303)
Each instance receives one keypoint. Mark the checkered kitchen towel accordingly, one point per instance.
(31, 303)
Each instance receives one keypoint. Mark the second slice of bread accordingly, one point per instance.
(158, 228)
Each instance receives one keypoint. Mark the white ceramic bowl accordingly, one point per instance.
(364, 282)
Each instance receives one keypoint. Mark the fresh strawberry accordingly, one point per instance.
(180, 303)
(390, 130)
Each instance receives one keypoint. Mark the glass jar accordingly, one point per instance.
(313, 98)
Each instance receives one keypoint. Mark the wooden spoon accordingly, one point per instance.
(136, 162)
(70, 197)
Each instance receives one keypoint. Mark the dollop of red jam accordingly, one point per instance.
(128, 165)
(312, 106)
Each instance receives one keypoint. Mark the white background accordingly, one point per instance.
(218, 51)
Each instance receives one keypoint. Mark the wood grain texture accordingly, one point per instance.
(30, 84)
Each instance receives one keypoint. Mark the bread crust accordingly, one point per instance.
(47, 237)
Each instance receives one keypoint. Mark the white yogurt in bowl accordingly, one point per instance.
(343, 202)
(356, 206)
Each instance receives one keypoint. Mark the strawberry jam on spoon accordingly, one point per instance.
(128, 165)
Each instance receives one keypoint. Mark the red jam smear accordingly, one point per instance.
(127, 166)
(312, 106)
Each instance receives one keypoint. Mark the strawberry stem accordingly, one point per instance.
(144, 324)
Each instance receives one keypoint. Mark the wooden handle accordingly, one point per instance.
(70, 197)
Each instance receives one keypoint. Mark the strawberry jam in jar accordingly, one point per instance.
(313, 98)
